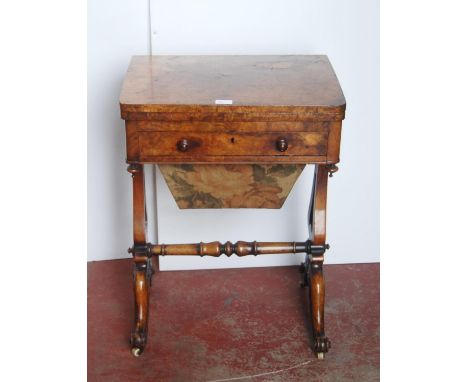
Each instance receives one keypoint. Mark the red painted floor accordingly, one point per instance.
(233, 324)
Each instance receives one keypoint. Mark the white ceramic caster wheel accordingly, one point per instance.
(136, 352)
(320, 355)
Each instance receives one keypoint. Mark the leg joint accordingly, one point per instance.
(316, 250)
(141, 250)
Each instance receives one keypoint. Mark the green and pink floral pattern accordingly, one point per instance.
(231, 186)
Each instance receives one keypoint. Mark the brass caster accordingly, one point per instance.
(320, 355)
(136, 352)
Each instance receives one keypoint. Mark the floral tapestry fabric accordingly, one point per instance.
(231, 186)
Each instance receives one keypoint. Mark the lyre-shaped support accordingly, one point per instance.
(142, 267)
(313, 267)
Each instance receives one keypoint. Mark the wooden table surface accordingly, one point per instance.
(193, 83)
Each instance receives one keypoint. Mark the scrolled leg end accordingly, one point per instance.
(321, 346)
(138, 343)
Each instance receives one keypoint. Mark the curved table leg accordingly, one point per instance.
(313, 268)
(142, 267)
(321, 343)
(141, 284)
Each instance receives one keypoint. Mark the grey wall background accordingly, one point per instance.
(348, 32)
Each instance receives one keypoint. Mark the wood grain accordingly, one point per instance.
(153, 144)
(139, 203)
(226, 127)
(317, 228)
(318, 206)
(138, 337)
(141, 284)
(255, 84)
(239, 248)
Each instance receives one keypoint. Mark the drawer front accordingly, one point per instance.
(196, 145)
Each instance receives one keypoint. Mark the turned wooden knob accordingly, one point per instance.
(183, 145)
(282, 144)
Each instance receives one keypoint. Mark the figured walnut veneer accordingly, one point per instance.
(295, 85)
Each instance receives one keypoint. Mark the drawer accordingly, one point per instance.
(195, 145)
